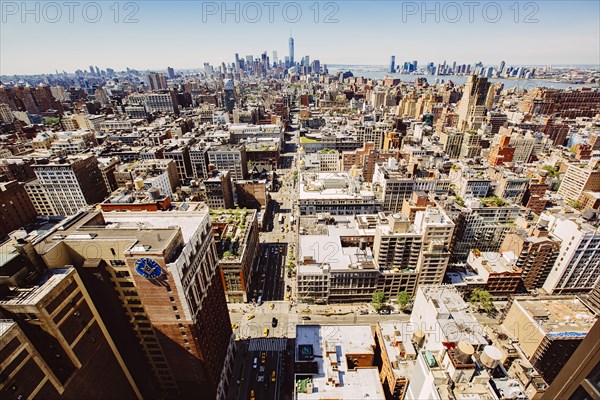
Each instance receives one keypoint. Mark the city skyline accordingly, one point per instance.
(194, 42)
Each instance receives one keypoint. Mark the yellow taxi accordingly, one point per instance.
(249, 316)
(273, 376)
(252, 395)
(234, 326)
(265, 332)
(271, 306)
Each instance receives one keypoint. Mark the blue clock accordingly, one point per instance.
(148, 268)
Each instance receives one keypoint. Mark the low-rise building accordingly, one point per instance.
(336, 362)
(338, 193)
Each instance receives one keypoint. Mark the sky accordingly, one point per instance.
(41, 37)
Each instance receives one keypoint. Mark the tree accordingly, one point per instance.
(402, 299)
(482, 299)
(378, 300)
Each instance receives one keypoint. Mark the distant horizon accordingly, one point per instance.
(189, 33)
(382, 66)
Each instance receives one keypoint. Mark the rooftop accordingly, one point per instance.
(35, 294)
(559, 317)
(335, 378)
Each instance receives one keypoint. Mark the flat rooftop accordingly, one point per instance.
(397, 341)
(559, 316)
(328, 250)
(33, 295)
(331, 344)
(147, 230)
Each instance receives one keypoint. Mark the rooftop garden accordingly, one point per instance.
(229, 229)
(493, 201)
(304, 139)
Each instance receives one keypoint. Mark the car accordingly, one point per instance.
(249, 316)
(274, 322)
(305, 318)
(262, 368)
(234, 326)
(260, 378)
(265, 332)
(273, 376)
(263, 357)
(363, 312)
(255, 362)
(271, 306)
(385, 312)
(288, 296)
(252, 395)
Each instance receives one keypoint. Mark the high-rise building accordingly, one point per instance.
(6, 115)
(156, 81)
(171, 73)
(161, 270)
(471, 108)
(291, 51)
(578, 379)
(219, 191)
(579, 179)
(422, 247)
(165, 101)
(53, 342)
(228, 95)
(230, 158)
(71, 183)
(577, 269)
(548, 329)
(535, 251)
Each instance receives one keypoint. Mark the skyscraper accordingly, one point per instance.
(291, 51)
(471, 108)
(156, 81)
(171, 73)
(393, 64)
(165, 279)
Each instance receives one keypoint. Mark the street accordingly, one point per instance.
(269, 284)
(262, 370)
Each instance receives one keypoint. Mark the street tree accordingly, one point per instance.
(482, 299)
(402, 299)
(378, 300)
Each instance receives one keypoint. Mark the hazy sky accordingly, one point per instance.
(185, 34)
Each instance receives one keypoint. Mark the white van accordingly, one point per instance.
(255, 362)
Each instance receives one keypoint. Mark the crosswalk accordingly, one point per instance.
(274, 344)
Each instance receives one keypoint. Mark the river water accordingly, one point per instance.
(374, 73)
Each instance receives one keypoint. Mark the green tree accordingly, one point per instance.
(378, 300)
(402, 299)
(482, 299)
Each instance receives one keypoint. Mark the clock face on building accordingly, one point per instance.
(148, 268)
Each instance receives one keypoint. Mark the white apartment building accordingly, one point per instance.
(577, 266)
(230, 158)
(162, 102)
(579, 178)
(337, 193)
(393, 186)
(39, 198)
(71, 184)
(6, 115)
